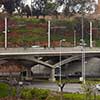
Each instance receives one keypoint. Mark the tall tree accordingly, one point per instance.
(25, 10)
(76, 6)
(38, 7)
(11, 5)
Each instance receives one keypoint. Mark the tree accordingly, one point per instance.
(38, 7)
(25, 10)
(50, 8)
(72, 7)
(11, 5)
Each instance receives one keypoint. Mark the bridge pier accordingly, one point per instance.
(28, 74)
(52, 76)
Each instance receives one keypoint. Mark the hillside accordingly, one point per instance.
(23, 32)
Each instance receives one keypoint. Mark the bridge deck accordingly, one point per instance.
(46, 51)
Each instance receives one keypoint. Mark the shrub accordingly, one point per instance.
(26, 94)
(34, 93)
(6, 90)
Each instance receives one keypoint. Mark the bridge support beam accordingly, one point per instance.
(52, 76)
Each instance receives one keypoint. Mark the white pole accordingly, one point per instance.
(49, 34)
(91, 45)
(5, 32)
(74, 38)
(83, 61)
(60, 63)
(83, 64)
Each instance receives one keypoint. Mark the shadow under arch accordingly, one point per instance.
(73, 58)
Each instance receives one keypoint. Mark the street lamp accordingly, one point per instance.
(5, 32)
(60, 83)
(49, 34)
(83, 44)
(91, 42)
(74, 38)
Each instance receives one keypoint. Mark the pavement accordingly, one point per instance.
(71, 88)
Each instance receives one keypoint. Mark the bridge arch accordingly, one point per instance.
(72, 58)
(26, 58)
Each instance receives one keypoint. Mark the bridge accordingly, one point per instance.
(46, 51)
(47, 55)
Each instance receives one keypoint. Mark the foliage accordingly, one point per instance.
(3, 89)
(76, 6)
(34, 93)
(6, 90)
(11, 5)
(64, 25)
(25, 10)
(89, 91)
(74, 96)
(26, 20)
(26, 94)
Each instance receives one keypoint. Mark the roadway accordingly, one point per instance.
(46, 51)
(71, 88)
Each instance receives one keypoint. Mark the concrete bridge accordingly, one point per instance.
(48, 56)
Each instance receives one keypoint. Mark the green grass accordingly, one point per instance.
(4, 89)
(98, 43)
(32, 33)
(39, 30)
(74, 96)
(28, 20)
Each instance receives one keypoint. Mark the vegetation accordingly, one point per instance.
(23, 31)
(41, 94)
(45, 7)
(6, 90)
(38, 94)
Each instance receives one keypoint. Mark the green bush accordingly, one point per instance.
(74, 96)
(42, 94)
(6, 90)
(26, 94)
(42, 20)
(34, 93)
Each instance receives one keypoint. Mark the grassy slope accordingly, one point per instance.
(33, 30)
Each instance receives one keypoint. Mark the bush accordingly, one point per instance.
(26, 94)
(42, 94)
(34, 93)
(74, 96)
(42, 20)
(6, 90)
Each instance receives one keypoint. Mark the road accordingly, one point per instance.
(71, 88)
(46, 51)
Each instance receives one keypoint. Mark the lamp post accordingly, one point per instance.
(74, 38)
(83, 48)
(5, 32)
(83, 44)
(63, 40)
(91, 44)
(61, 85)
(49, 33)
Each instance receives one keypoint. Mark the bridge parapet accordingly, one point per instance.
(46, 51)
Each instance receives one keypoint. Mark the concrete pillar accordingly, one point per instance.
(28, 73)
(52, 76)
